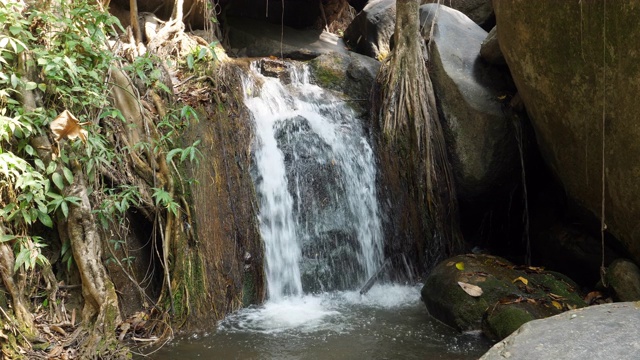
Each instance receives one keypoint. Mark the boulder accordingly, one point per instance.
(623, 277)
(369, 33)
(480, 11)
(581, 92)
(490, 48)
(256, 38)
(604, 332)
(351, 74)
(480, 136)
(510, 295)
(571, 250)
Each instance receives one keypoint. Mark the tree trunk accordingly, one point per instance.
(413, 145)
(20, 310)
(101, 312)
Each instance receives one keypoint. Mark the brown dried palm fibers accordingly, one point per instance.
(408, 111)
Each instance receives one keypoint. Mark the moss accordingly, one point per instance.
(328, 78)
(504, 320)
(558, 284)
(329, 72)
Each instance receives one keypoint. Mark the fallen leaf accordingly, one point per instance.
(460, 266)
(521, 279)
(470, 289)
(450, 263)
(556, 304)
(67, 126)
(59, 330)
(556, 297)
(535, 269)
(592, 297)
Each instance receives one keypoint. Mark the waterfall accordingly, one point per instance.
(314, 173)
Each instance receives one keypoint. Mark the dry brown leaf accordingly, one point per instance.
(470, 289)
(67, 126)
(59, 330)
(592, 297)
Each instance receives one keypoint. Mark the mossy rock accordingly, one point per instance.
(350, 74)
(511, 295)
(500, 321)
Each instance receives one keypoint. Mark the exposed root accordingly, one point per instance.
(408, 118)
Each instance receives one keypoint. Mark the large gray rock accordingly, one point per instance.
(581, 92)
(601, 332)
(480, 11)
(256, 38)
(479, 134)
(369, 33)
(490, 48)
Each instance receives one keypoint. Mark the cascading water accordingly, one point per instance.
(315, 176)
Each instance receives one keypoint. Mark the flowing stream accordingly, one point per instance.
(314, 173)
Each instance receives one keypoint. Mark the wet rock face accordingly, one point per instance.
(328, 241)
(510, 295)
(351, 74)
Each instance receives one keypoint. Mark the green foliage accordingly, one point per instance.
(69, 48)
(201, 54)
(164, 199)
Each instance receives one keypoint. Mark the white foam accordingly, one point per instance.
(311, 313)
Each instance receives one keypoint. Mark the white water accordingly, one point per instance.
(309, 314)
(389, 322)
(337, 142)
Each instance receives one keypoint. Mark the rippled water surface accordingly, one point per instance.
(389, 322)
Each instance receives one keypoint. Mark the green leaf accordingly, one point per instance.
(21, 258)
(190, 61)
(68, 175)
(172, 153)
(15, 30)
(30, 85)
(57, 179)
(39, 164)
(51, 168)
(14, 81)
(45, 219)
(5, 238)
(184, 155)
(65, 209)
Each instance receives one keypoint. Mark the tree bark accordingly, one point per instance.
(21, 312)
(408, 118)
